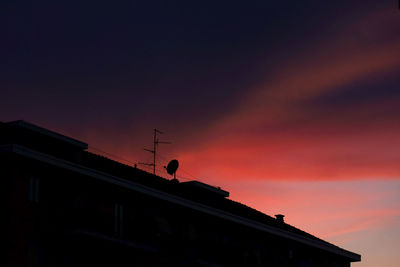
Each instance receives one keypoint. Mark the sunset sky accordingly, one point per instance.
(292, 106)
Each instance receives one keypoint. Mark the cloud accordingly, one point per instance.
(326, 209)
(283, 130)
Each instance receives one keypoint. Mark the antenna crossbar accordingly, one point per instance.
(145, 163)
(156, 142)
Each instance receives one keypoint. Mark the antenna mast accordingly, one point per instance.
(154, 151)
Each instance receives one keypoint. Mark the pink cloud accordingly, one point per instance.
(274, 134)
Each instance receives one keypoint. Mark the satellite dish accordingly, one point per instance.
(172, 167)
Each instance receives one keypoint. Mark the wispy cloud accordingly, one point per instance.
(283, 130)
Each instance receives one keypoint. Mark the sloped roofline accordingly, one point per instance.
(43, 131)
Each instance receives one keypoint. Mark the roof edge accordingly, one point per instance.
(40, 130)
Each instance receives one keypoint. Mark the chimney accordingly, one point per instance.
(279, 217)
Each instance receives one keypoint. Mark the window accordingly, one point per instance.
(35, 255)
(34, 189)
(94, 213)
(118, 219)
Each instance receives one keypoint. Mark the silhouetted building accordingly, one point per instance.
(68, 207)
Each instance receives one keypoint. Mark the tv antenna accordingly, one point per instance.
(154, 151)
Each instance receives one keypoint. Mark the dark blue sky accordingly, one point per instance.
(85, 62)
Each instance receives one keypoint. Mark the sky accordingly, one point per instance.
(291, 106)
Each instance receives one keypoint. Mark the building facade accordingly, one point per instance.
(68, 207)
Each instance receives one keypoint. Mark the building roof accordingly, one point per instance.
(39, 131)
(190, 194)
